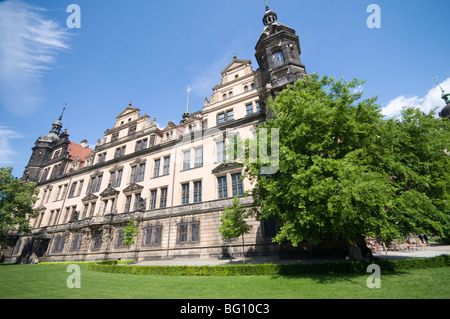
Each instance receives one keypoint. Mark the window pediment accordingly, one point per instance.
(132, 188)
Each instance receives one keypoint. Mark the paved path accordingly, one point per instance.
(430, 251)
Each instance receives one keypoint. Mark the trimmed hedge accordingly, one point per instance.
(102, 262)
(358, 267)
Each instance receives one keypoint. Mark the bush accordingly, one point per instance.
(358, 267)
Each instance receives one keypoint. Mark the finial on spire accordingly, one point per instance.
(436, 79)
(60, 117)
(131, 101)
(187, 106)
(267, 6)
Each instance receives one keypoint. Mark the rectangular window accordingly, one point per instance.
(114, 137)
(187, 160)
(197, 191)
(221, 155)
(120, 151)
(142, 144)
(156, 168)
(127, 204)
(157, 230)
(137, 199)
(67, 215)
(119, 240)
(58, 193)
(163, 203)
(152, 140)
(220, 118)
(119, 178)
(258, 109)
(132, 130)
(183, 233)
(222, 187)
(80, 188)
(148, 235)
(133, 175)
(198, 157)
(230, 115)
(141, 172)
(152, 235)
(195, 232)
(91, 212)
(188, 232)
(72, 189)
(185, 194)
(166, 165)
(101, 158)
(85, 210)
(99, 184)
(153, 194)
(236, 183)
(249, 108)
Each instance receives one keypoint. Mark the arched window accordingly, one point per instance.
(278, 58)
(224, 96)
(246, 88)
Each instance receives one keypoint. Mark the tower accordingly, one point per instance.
(445, 112)
(278, 56)
(48, 149)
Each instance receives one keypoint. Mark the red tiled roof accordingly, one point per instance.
(76, 149)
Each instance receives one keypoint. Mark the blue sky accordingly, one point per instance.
(150, 52)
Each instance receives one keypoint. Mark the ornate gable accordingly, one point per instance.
(132, 188)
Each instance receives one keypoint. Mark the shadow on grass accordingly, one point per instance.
(339, 277)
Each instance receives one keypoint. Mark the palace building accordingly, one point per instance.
(175, 182)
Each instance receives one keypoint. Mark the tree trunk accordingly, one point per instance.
(243, 249)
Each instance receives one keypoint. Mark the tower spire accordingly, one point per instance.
(186, 114)
(60, 117)
(187, 106)
(437, 82)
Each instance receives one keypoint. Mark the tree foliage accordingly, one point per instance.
(233, 222)
(129, 235)
(16, 205)
(346, 172)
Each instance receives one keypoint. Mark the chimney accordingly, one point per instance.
(83, 143)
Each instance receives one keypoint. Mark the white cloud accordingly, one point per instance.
(430, 101)
(7, 153)
(29, 44)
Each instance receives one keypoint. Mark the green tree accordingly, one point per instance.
(233, 223)
(129, 236)
(346, 172)
(16, 205)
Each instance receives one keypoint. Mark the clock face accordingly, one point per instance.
(278, 58)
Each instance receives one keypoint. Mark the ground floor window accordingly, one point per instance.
(152, 235)
(188, 232)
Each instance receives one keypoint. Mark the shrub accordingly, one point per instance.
(358, 267)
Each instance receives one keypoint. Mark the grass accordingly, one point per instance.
(49, 282)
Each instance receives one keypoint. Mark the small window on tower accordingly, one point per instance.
(278, 58)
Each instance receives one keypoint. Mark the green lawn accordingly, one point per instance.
(49, 282)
